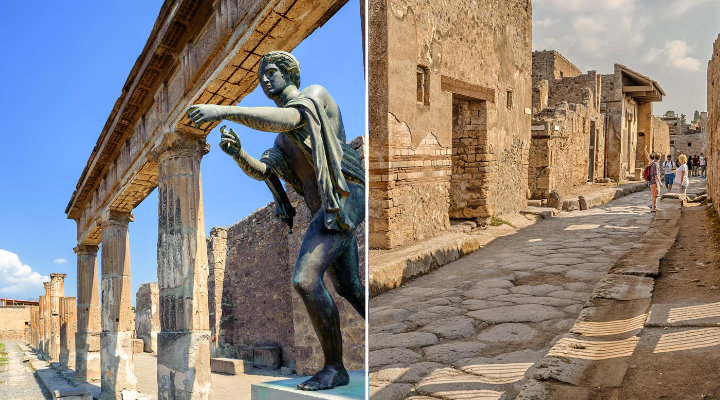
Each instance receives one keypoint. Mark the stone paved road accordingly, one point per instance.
(475, 328)
(17, 380)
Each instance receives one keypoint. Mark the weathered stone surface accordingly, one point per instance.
(147, 315)
(517, 313)
(452, 328)
(449, 352)
(508, 332)
(624, 287)
(267, 357)
(229, 366)
(393, 356)
(407, 340)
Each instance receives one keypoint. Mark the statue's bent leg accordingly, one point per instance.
(345, 276)
(320, 249)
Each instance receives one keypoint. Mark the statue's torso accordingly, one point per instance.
(296, 146)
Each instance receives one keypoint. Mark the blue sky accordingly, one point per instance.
(671, 41)
(63, 68)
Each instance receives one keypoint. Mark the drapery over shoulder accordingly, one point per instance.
(332, 160)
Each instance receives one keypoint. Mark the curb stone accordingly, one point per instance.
(592, 359)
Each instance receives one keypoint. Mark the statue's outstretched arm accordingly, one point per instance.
(254, 168)
(268, 119)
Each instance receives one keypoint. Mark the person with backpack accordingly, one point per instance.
(669, 168)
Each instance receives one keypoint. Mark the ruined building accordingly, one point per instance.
(450, 89)
(713, 125)
(688, 139)
(626, 102)
(568, 139)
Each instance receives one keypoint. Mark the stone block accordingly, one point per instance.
(286, 389)
(624, 287)
(267, 357)
(182, 361)
(229, 366)
(138, 346)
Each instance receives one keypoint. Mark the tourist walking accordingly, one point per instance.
(682, 174)
(668, 168)
(703, 164)
(653, 177)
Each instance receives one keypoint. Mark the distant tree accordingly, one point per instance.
(696, 116)
(682, 119)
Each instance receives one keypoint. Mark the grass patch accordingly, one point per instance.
(497, 221)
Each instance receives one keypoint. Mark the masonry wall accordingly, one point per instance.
(483, 48)
(560, 150)
(713, 125)
(689, 144)
(13, 322)
(552, 65)
(661, 136)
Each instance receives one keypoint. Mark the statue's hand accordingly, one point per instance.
(202, 113)
(230, 142)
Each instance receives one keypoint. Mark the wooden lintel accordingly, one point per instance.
(627, 89)
(466, 89)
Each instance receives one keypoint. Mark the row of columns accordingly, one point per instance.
(105, 329)
(46, 320)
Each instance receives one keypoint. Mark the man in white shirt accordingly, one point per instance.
(703, 164)
(668, 168)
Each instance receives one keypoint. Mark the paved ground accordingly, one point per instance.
(475, 328)
(17, 380)
(223, 386)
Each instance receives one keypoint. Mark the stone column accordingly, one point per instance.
(68, 327)
(47, 321)
(87, 338)
(57, 292)
(116, 339)
(147, 319)
(183, 343)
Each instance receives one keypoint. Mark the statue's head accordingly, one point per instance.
(277, 70)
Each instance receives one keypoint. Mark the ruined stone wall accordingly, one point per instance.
(713, 125)
(217, 254)
(421, 55)
(550, 65)
(689, 145)
(570, 89)
(13, 322)
(147, 315)
(256, 302)
(560, 150)
(661, 137)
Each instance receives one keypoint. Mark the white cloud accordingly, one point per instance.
(18, 279)
(545, 22)
(680, 7)
(586, 5)
(674, 54)
(60, 260)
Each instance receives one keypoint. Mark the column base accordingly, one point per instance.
(87, 356)
(183, 365)
(116, 365)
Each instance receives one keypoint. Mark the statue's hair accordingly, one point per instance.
(286, 62)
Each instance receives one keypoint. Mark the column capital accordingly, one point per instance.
(86, 249)
(180, 143)
(55, 275)
(46, 285)
(115, 217)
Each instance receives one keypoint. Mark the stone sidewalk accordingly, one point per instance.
(392, 268)
(17, 380)
(477, 327)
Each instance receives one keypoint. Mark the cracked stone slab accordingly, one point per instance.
(507, 333)
(684, 315)
(452, 328)
(624, 287)
(393, 356)
(406, 340)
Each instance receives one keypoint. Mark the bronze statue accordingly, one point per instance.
(311, 155)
